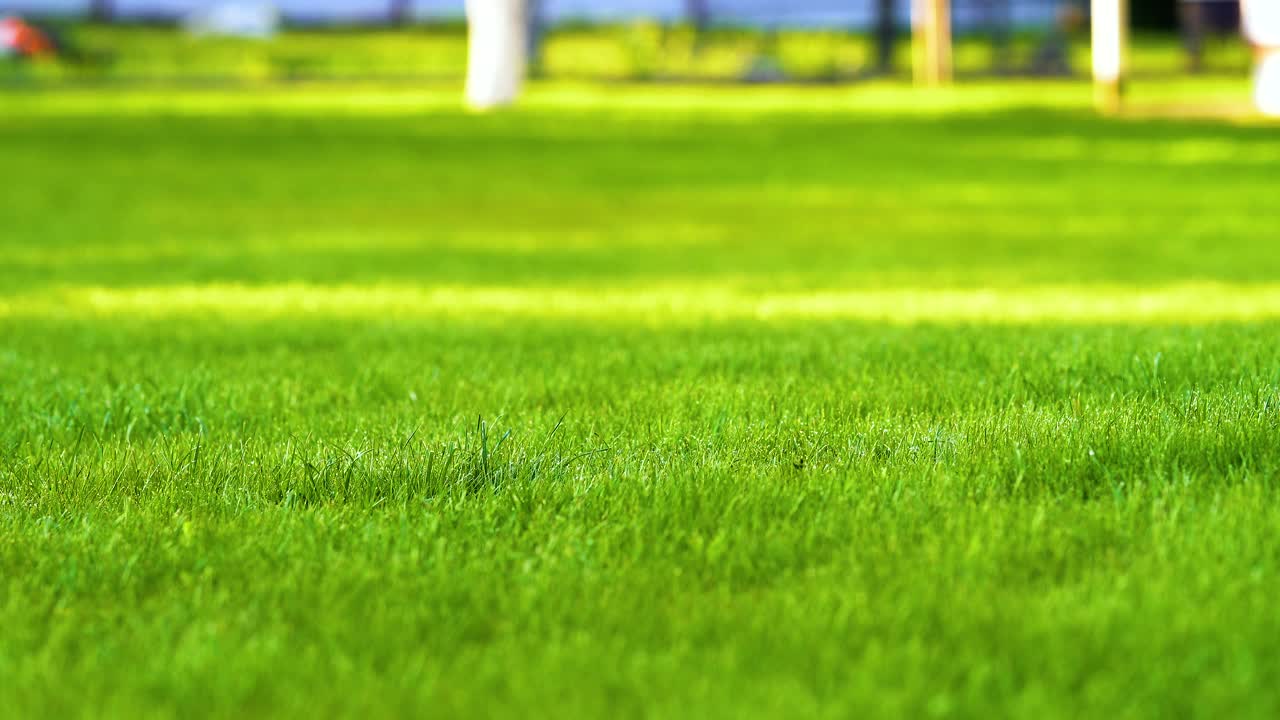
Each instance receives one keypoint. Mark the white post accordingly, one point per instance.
(496, 37)
(1110, 39)
(1262, 26)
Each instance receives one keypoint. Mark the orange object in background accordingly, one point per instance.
(25, 40)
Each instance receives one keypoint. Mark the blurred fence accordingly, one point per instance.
(701, 40)
(847, 14)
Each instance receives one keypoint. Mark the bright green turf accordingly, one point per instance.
(352, 404)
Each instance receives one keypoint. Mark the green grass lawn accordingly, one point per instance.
(636, 403)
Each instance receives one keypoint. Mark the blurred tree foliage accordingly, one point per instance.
(1154, 14)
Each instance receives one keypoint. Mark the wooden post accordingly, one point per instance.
(1110, 41)
(932, 42)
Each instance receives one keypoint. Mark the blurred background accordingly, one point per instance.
(807, 41)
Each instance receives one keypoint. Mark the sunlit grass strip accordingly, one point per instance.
(1214, 97)
(1182, 303)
